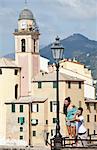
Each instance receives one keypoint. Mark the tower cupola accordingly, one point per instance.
(26, 14)
(26, 21)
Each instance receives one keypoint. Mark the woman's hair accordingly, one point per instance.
(68, 99)
(65, 109)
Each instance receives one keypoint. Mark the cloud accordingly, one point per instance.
(54, 17)
(79, 9)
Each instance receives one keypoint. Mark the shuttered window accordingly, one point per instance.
(39, 85)
(13, 107)
(80, 85)
(21, 129)
(34, 133)
(54, 84)
(69, 84)
(21, 108)
(21, 120)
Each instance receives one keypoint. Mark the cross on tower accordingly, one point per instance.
(25, 2)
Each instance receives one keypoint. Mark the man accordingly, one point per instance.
(81, 130)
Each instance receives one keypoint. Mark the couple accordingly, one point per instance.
(74, 122)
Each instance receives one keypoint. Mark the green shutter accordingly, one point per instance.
(54, 84)
(51, 106)
(13, 107)
(39, 84)
(21, 120)
(21, 108)
(54, 120)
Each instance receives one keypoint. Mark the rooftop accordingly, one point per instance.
(7, 63)
(27, 100)
(52, 77)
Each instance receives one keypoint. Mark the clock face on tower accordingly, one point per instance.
(23, 25)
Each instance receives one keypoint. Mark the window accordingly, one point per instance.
(53, 131)
(46, 121)
(13, 107)
(69, 84)
(54, 120)
(16, 91)
(95, 118)
(23, 45)
(88, 118)
(21, 108)
(39, 84)
(21, 120)
(21, 129)
(94, 106)
(0, 71)
(94, 132)
(88, 107)
(21, 137)
(54, 84)
(88, 132)
(79, 85)
(34, 108)
(34, 121)
(16, 72)
(53, 106)
(34, 45)
(34, 133)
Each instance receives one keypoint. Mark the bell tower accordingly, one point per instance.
(27, 49)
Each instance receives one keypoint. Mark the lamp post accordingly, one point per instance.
(57, 52)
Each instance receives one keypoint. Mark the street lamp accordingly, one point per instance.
(57, 52)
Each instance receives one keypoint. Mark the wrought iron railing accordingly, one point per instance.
(66, 142)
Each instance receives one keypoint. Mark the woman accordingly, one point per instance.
(70, 110)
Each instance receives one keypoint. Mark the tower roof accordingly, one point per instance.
(26, 14)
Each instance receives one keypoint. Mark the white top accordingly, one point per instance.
(80, 126)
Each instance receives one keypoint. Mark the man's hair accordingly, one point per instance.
(81, 109)
(68, 99)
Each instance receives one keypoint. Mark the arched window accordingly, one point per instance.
(34, 45)
(16, 91)
(23, 45)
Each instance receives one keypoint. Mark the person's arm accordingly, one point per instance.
(77, 119)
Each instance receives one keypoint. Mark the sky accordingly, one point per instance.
(54, 17)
